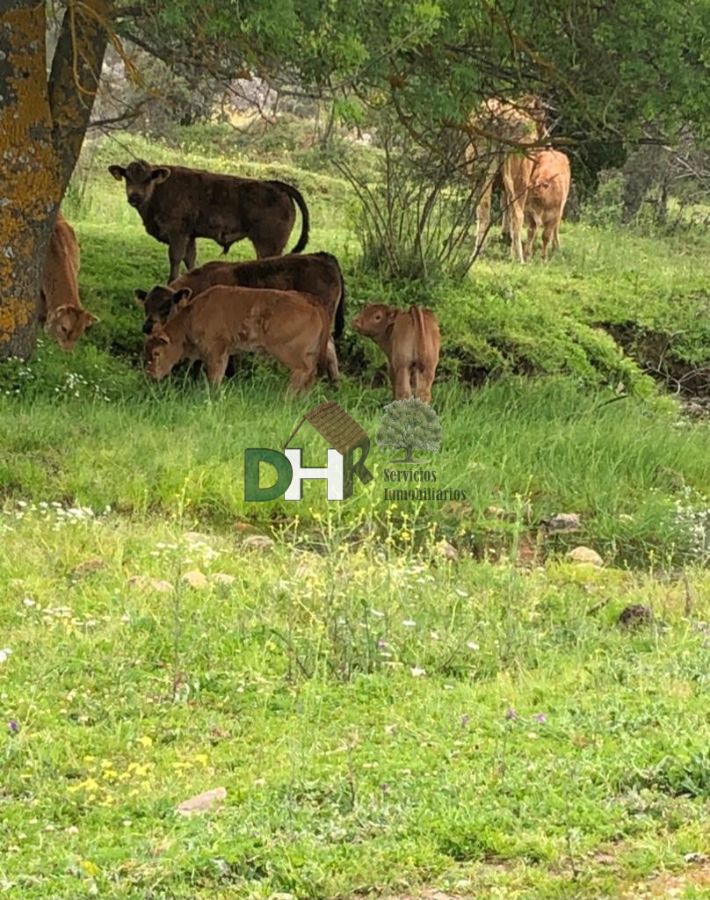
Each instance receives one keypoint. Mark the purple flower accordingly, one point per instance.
(511, 714)
(540, 717)
(14, 726)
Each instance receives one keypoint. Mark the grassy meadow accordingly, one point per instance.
(386, 720)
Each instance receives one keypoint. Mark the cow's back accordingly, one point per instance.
(313, 273)
(60, 279)
(207, 203)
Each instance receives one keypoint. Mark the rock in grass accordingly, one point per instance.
(562, 523)
(222, 578)
(585, 555)
(635, 616)
(257, 542)
(196, 580)
(196, 537)
(201, 803)
(162, 587)
(447, 551)
(86, 568)
(145, 583)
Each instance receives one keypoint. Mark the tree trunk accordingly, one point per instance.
(42, 126)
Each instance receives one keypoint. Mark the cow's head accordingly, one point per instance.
(141, 179)
(374, 320)
(160, 353)
(160, 304)
(67, 323)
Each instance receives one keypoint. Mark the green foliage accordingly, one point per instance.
(409, 425)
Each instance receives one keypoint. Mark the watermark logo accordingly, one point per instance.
(349, 446)
(409, 425)
(412, 427)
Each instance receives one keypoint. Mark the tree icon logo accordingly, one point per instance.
(409, 425)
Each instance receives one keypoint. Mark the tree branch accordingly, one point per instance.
(75, 76)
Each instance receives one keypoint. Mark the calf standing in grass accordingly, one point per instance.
(289, 326)
(178, 205)
(318, 274)
(546, 199)
(411, 342)
(60, 309)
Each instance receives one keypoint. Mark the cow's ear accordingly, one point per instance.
(118, 172)
(182, 298)
(90, 319)
(159, 174)
(140, 297)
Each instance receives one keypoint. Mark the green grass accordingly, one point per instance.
(350, 687)
(353, 703)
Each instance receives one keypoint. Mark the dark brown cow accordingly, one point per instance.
(178, 205)
(411, 341)
(318, 274)
(290, 326)
(60, 309)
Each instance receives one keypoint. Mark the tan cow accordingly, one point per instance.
(291, 327)
(60, 309)
(546, 198)
(498, 129)
(411, 342)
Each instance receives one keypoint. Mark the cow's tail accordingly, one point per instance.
(297, 198)
(322, 365)
(340, 308)
(419, 327)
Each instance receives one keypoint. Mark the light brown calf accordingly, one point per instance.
(411, 341)
(546, 199)
(60, 308)
(498, 129)
(290, 326)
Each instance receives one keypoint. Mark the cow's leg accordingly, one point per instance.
(268, 246)
(402, 384)
(424, 381)
(301, 379)
(530, 243)
(190, 257)
(177, 251)
(331, 362)
(216, 367)
(483, 216)
(516, 229)
(548, 238)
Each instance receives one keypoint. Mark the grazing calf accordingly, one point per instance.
(411, 341)
(318, 274)
(292, 327)
(546, 199)
(178, 205)
(60, 309)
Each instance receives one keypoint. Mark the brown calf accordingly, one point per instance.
(496, 129)
(292, 327)
(546, 199)
(178, 205)
(317, 274)
(411, 341)
(60, 309)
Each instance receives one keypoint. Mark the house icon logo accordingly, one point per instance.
(349, 446)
